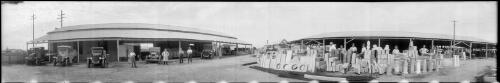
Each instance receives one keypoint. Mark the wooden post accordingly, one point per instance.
(78, 51)
(236, 49)
(432, 44)
(178, 51)
(345, 43)
(378, 42)
(117, 49)
(486, 50)
(470, 48)
(324, 47)
(302, 43)
(27, 44)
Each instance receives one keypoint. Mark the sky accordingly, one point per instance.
(256, 22)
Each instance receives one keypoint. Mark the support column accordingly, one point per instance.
(179, 48)
(432, 44)
(27, 47)
(324, 47)
(78, 51)
(345, 43)
(253, 50)
(486, 50)
(470, 48)
(236, 49)
(117, 49)
(378, 42)
(302, 42)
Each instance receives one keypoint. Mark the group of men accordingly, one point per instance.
(165, 54)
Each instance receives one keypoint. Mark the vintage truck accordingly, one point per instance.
(37, 56)
(65, 55)
(98, 58)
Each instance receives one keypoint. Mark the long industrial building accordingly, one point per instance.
(116, 38)
(480, 47)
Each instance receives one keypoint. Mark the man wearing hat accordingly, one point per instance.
(190, 54)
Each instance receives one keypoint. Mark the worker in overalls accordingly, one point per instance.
(190, 54)
(165, 55)
(132, 59)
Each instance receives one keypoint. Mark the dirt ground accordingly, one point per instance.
(228, 69)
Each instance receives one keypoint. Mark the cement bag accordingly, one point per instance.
(283, 58)
(261, 61)
(273, 63)
(456, 61)
(288, 56)
(267, 63)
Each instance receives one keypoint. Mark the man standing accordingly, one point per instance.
(190, 54)
(181, 55)
(333, 56)
(395, 51)
(352, 54)
(423, 51)
(344, 54)
(165, 56)
(132, 58)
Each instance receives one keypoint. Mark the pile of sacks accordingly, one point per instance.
(287, 60)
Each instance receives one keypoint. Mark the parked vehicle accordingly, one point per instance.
(65, 55)
(154, 55)
(37, 56)
(98, 58)
(207, 54)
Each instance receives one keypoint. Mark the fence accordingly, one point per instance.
(13, 59)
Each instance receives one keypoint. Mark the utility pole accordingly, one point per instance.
(453, 43)
(33, 21)
(61, 17)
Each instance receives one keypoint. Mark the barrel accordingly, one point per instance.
(424, 66)
(417, 67)
(405, 67)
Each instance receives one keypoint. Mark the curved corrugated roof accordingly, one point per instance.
(388, 34)
(135, 30)
(138, 26)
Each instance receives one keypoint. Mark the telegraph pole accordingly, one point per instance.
(453, 49)
(61, 17)
(33, 21)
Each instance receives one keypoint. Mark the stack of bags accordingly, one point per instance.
(412, 53)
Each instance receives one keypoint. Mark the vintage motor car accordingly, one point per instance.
(154, 55)
(37, 56)
(64, 56)
(207, 54)
(97, 58)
